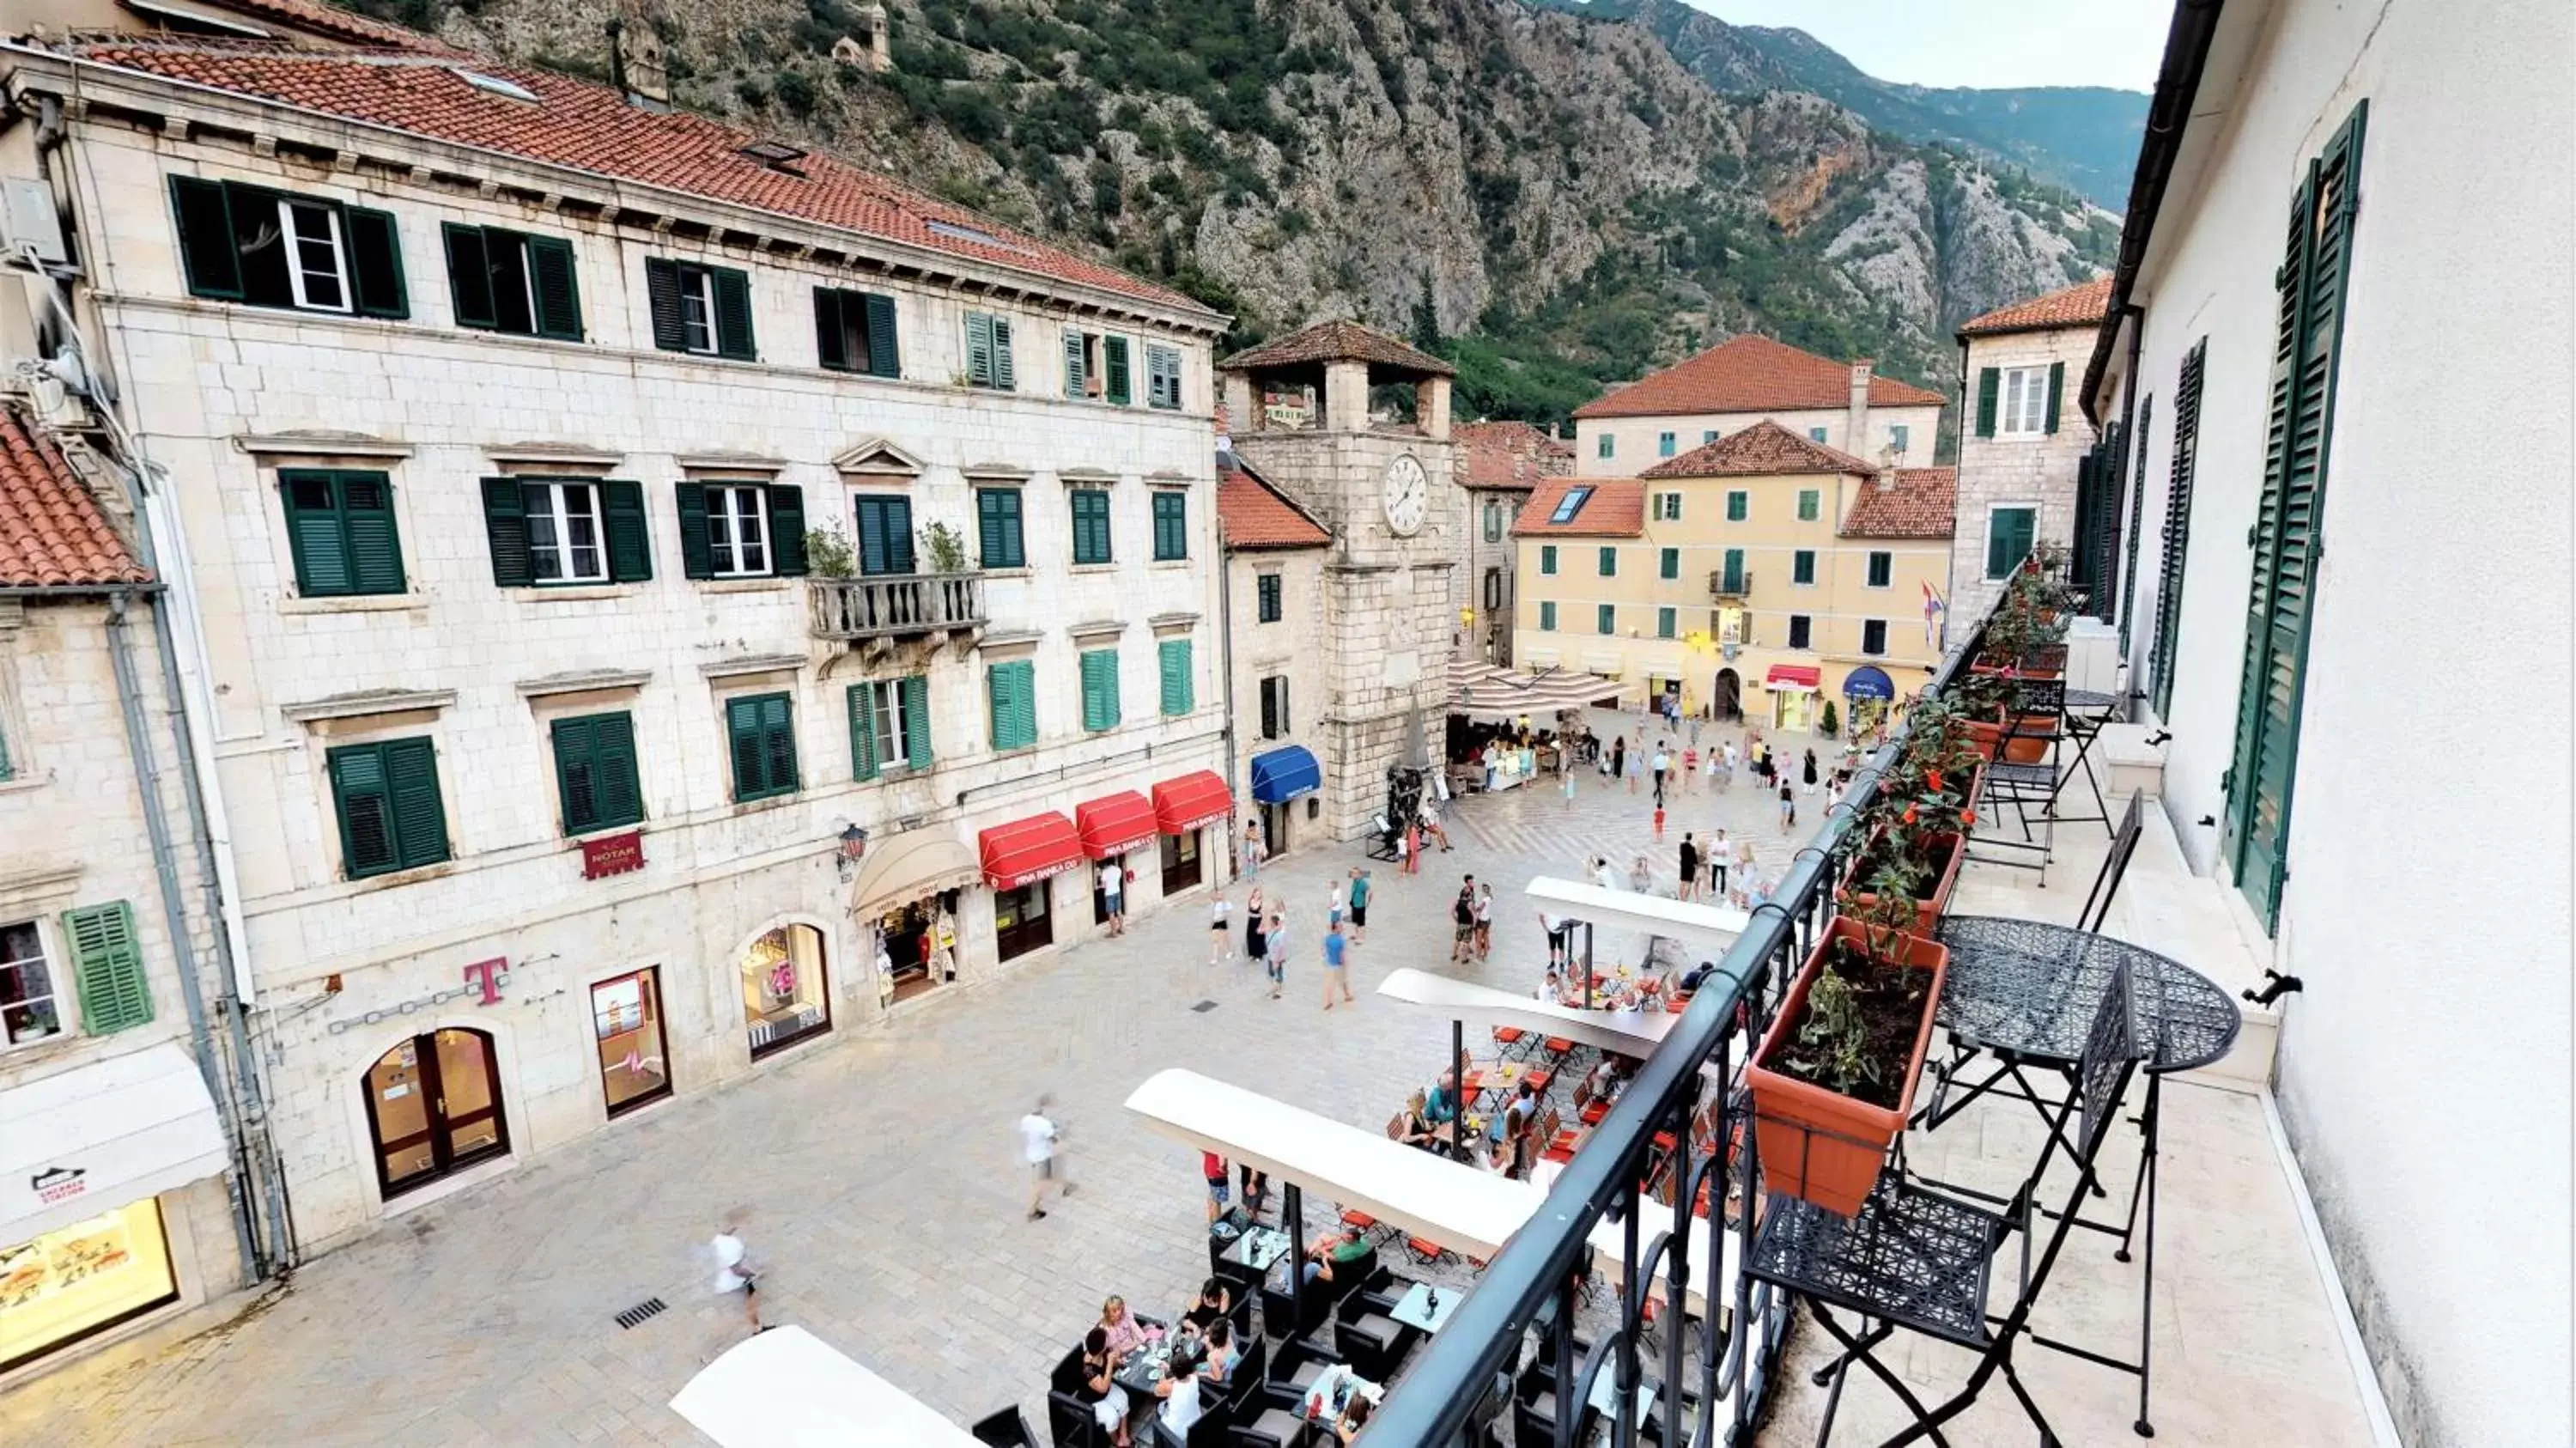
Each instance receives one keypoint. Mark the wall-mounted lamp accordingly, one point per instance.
(854, 848)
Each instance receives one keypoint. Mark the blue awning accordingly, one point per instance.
(1868, 682)
(1284, 774)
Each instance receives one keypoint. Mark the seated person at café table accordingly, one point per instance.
(1355, 1416)
(1179, 1391)
(1332, 1392)
(1099, 1390)
(1126, 1334)
(1413, 1126)
(1223, 1352)
(1441, 1106)
(1214, 1302)
(1338, 1251)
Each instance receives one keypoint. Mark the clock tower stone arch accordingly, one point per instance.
(1321, 415)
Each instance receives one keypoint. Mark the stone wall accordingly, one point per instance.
(2036, 470)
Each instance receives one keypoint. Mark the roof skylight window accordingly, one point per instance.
(1569, 505)
(955, 232)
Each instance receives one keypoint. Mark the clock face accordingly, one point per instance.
(1408, 495)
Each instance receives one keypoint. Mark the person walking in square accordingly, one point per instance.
(1484, 920)
(1718, 850)
(1689, 881)
(1336, 962)
(1619, 756)
(1810, 772)
(1462, 919)
(1039, 1136)
(1361, 889)
(1788, 806)
(1636, 766)
(1726, 772)
(735, 1271)
(1567, 777)
(1220, 931)
(1274, 947)
(1690, 768)
(1663, 766)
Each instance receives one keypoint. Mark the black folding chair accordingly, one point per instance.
(1922, 1261)
(2034, 716)
(2082, 714)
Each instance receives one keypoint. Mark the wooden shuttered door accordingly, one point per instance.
(596, 780)
(733, 314)
(2132, 463)
(1180, 686)
(863, 731)
(1120, 383)
(1100, 689)
(2176, 540)
(1090, 526)
(786, 505)
(997, 524)
(885, 534)
(2286, 535)
(1012, 691)
(916, 721)
(760, 734)
(855, 332)
(107, 968)
(391, 814)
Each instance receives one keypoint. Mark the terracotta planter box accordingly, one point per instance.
(1986, 736)
(1927, 909)
(1816, 1144)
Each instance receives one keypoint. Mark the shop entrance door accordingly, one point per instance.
(1274, 827)
(1729, 696)
(1792, 710)
(434, 1107)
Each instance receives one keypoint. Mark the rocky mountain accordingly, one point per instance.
(1554, 201)
(2084, 138)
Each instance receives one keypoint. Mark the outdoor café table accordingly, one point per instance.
(1425, 1306)
(2024, 992)
(1142, 1369)
(1257, 1249)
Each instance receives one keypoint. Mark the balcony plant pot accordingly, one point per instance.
(1816, 1143)
(1928, 908)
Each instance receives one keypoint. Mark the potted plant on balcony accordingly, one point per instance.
(828, 553)
(1833, 1081)
(1915, 831)
(944, 548)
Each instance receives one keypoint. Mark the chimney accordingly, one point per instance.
(635, 57)
(1856, 422)
(1886, 478)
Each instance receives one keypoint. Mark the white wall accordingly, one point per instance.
(2423, 1070)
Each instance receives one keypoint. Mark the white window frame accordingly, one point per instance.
(1866, 651)
(1605, 446)
(885, 725)
(1707, 435)
(294, 241)
(54, 995)
(2021, 402)
(698, 290)
(1493, 520)
(1668, 507)
(1162, 364)
(556, 497)
(1899, 436)
(1814, 572)
(1871, 558)
(737, 525)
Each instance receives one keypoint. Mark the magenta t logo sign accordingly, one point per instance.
(480, 973)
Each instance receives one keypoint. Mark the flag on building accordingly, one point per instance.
(1933, 608)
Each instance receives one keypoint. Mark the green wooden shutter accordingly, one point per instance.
(1005, 375)
(1113, 353)
(1073, 373)
(697, 553)
(630, 531)
(2172, 565)
(979, 349)
(863, 734)
(1734, 570)
(2133, 474)
(469, 275)
(1547, 617)
(2056, 392)
(206, 247)
(2008, 539)
(916, 721)
(1171, 526)
(1012, 691)
(742, 744)
(778, 741)
(662, 290)
(733, 314)
(786, 529)
(1990, 381)
(1669, 563)
(2272, 684)
(315, 534)
(374, 540)
(1100, 689)
(998, 515)
(1609, 562)
(1664, 623)
(366, 814)
(107, 966)
(505, 526)
(375, 263)
(576, 774)
(556, 287)
(1738, 504)
(595, 772)
(830, 333)
(1606, 618)
(621, 784)
(1090, 508)
(1547, 558)
(420, 816)
(1180, 685)
(885, 357)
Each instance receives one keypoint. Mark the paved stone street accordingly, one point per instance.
(881, 1180)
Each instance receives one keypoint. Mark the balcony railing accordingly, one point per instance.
(1713, 1379)
(1724, 583)
(891, 606)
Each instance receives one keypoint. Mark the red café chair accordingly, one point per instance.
(1512, 1041)
(1425, 1251)
(1559, 1046)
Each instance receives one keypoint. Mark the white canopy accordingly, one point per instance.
(105, 1135)
(1709, 931)
(786, 1388)
(1491, 691)
(1468, 1211)
(1630, 1033)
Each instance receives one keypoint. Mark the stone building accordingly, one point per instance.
(1758, 576)
(1744, 380)
(117, 1194)
(661, 596)
(2019, 457)
(1385, 487)
(1275, 610)
(1499, 464)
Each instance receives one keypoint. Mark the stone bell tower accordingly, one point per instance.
(1300, 412)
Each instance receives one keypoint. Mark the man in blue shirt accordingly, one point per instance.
(1360, 888)
(1334, 974)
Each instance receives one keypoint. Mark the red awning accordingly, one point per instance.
(1028, 850)
(1114, 824)
(1796, 676)
(1182, 805)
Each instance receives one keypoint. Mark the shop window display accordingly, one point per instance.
(434, 1105)
(84, 1279)
(626, 1019)
(1022, 920)
(784, 993)
(917, 947)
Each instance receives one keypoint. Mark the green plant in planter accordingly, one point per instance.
(1831, 723)
(945, 549)
(1834, 1037)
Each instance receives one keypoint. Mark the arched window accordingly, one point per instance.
(434, 1107)
(785, 997)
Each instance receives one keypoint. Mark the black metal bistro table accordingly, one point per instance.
(2025, 992)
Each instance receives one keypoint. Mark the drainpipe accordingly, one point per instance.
(174, 912)
(1225, 649)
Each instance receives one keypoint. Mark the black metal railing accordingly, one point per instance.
(1728, 1351)
(1730, 583)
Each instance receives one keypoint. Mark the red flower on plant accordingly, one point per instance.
(1932, 778)
(1909, 814)
(1967, 817)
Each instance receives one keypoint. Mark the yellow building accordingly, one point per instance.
(1761, 575)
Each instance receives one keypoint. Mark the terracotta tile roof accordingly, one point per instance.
(1257, 516)
(1337, 342)
(1508, 455)
(1763, 449)
(1751, 374)
(2081, 305)
(52, 534)
(1616, 509)
(576, 124)
(1920, 505)
(327, 20)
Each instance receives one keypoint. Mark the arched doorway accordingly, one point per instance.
(434, 1108)
(785, 996)
(1727, 703)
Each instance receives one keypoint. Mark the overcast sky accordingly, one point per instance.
(1986, 43)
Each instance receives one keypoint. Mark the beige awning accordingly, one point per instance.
(909, 866)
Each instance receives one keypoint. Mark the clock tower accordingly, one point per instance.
(1318, 414)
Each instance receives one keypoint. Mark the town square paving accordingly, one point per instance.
(878, 1178)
